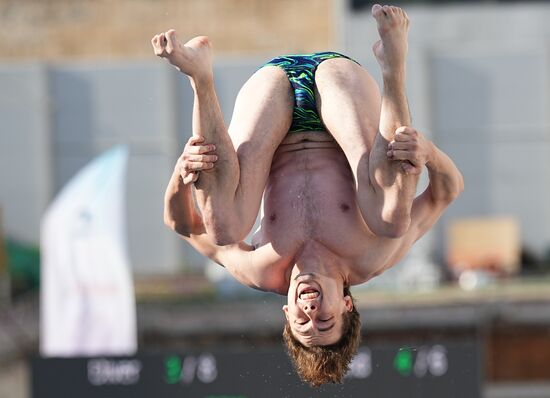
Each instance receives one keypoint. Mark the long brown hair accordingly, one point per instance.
(318, 365)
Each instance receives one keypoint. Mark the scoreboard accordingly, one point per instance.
(442, 369)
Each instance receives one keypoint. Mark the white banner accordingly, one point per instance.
(87, 298)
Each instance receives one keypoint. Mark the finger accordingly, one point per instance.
(200, 149)
(160, 45)
(162, 40)
(190, 177)
(404, 136)
(206, 148)
(202, 158)
(400, 137)
(400, 155)
(195, 139)
(197, 166)
(155, 41)
(406, 130)
(401, 145)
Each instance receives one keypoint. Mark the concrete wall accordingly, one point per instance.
(56, 118)
(91, 29)
(479, 86)
(25, 154)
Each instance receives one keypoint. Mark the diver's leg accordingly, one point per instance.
(364, 124)
(229, 195)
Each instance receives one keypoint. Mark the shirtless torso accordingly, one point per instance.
(310, 201)
(348, 191)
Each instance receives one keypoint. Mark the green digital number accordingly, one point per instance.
(172, 366)
(403, 361)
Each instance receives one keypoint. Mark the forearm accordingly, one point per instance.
(180, 213)
(446, 181)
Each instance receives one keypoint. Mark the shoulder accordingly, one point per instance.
(260, 268)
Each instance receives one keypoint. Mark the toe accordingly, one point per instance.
(376, 10)
(171, 36)
(162, 40)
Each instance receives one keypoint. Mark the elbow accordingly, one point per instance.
(458, 190)
(460, 185)
(179, 228)
(170, 222)
(452, 194)
(395, 231)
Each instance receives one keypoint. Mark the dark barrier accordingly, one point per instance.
(443, 369)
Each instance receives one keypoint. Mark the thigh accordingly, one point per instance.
(261, 118)
(348, 101)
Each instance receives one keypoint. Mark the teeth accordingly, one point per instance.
(309, 295)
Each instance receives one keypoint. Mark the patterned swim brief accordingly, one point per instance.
(300, 70)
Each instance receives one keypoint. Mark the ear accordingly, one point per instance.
(348, 302)
(285, 310)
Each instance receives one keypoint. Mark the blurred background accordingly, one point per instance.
(78, 77)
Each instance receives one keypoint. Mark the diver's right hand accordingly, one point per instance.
(196, 156)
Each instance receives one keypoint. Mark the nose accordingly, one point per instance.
(309, 307)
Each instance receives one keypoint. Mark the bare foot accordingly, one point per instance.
(193, 58)
(391, 50)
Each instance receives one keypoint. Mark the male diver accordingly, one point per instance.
(337, 165)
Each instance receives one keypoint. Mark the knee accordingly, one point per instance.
(392, 229)
(221, 234)
(225, 231)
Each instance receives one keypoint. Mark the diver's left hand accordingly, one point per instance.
(410, 147)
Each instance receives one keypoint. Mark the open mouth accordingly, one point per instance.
(308, 293)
